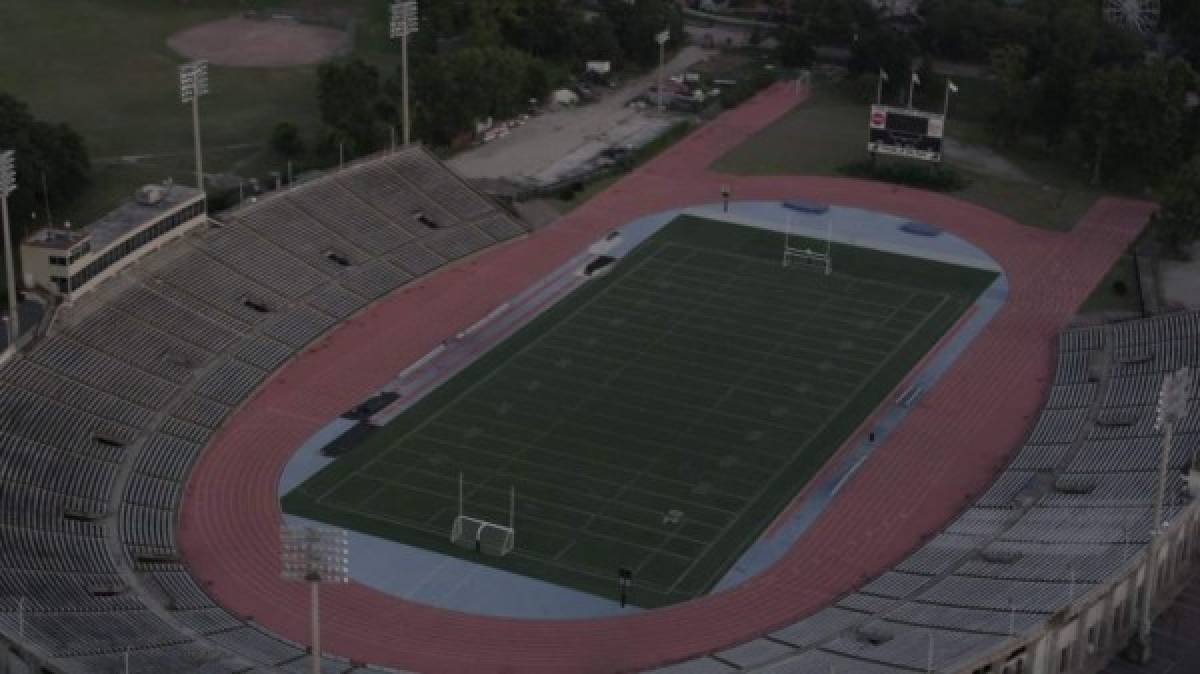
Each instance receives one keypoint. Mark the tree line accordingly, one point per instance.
(52, 162)
(1066, 80)
(474, 60)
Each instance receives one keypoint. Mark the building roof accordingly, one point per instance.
(50, 237)
(130, 215)
(133, 213)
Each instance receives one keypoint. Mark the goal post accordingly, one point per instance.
(481, 535)
(807, 257)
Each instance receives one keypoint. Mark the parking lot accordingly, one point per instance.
(557, 142)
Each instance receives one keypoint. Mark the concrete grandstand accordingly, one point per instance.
(104, 417)
(1004, 527)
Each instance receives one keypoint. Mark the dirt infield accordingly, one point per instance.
(250, 43)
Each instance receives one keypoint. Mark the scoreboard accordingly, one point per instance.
(905, 132)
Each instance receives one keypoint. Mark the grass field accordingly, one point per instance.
(830, 130)
(698, 377)
(104, 67)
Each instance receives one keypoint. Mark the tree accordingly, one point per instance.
(1010, 119)
(41, 148)
(1177, 222)
(598, 40)
(1061, 55)
(543, 28)
(349, 97)
(1137, 114)
(795, 47)
(286, 140)
(970, 30)
(636, 25)
(1182, 19)
(887, 50)
(836, 21)
(474, 83)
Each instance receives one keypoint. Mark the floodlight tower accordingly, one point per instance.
(314, 555)
(661, 38)
(1172, 408)
(193, 83)
(405, 22)
(8, 183)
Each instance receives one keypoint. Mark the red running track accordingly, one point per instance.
(948, 450)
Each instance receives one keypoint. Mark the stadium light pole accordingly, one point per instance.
(193, 83)
(1172, 407)
(314, 555)
(661, 38)
(405, 22)
(8, 184)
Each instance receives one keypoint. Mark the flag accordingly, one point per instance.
(916, 79)
(883, 75)
(952, 87)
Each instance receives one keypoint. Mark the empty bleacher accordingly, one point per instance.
(103, 419)
(113, 408)
(1071, 514)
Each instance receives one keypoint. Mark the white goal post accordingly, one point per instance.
(807, 257)
(482, 535)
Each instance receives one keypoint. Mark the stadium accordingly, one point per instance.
(828, 425)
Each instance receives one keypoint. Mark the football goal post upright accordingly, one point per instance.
(482, 535)
(512, 514)
(829, 248)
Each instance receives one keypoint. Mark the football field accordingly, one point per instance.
(658, 418)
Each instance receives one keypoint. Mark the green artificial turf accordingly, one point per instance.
(698, 376)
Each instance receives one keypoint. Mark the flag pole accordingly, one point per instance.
(951, 88)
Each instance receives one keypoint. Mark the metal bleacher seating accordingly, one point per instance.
(1070, 513)
(101, 421)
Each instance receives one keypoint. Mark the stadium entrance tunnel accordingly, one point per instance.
(599, 265)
